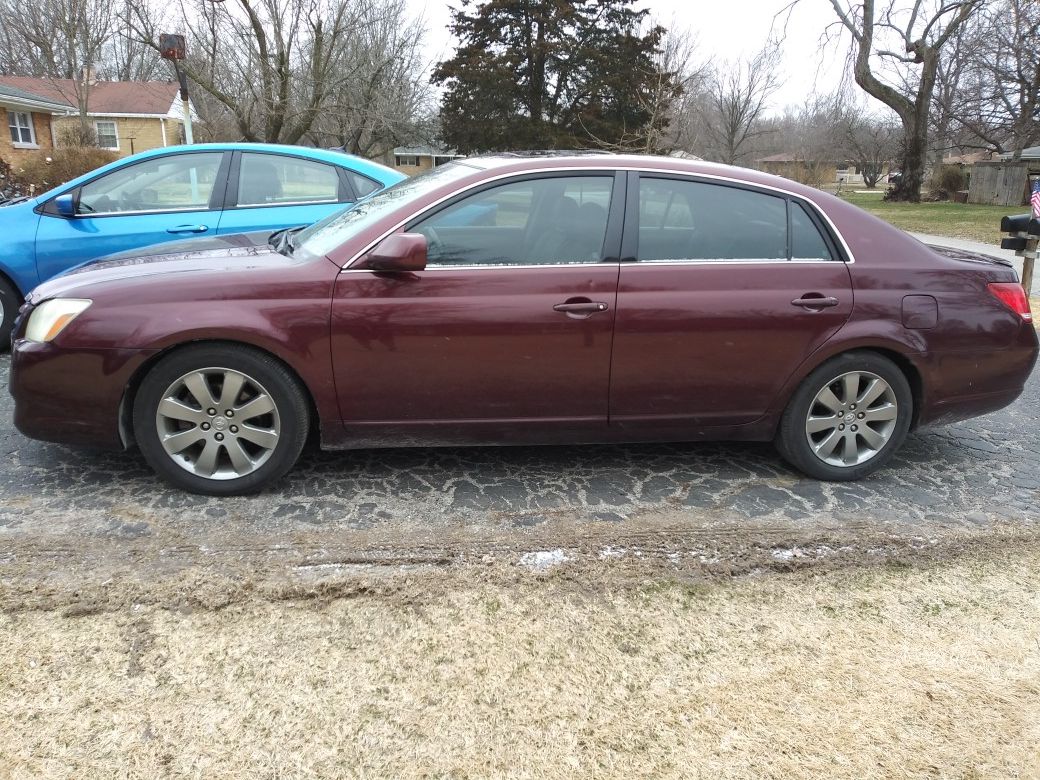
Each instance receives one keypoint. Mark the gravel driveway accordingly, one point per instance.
(65, 510)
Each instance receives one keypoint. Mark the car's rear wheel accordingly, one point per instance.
(220, 420)
(847, 418)
(9, 303)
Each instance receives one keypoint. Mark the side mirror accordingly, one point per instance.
(399, 252)
(66, 205)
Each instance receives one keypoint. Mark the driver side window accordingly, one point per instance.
(542, 221)
(182, 182)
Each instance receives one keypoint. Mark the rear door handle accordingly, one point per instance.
(810, 301)
(580, 308)
(188, 229)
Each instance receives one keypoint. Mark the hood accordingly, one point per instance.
(227, 259)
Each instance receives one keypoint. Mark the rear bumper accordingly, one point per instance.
(961, 385)
(71, 396)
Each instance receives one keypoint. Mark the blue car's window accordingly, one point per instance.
(271, 179)
(174, 183)
(326, 235)
(362, 184)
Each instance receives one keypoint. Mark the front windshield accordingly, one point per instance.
(324, 236)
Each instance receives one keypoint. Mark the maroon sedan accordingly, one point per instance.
(528, 299)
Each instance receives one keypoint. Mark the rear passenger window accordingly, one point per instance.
(806, 241)
(690, 220)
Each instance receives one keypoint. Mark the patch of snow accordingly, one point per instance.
(612, 552)
(541, 560)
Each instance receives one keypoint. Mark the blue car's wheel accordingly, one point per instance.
(9, 302)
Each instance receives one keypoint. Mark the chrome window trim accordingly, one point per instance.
(325, 202)
(609, 169)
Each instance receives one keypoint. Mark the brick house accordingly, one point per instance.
(411, 160)
(29, 119)
(126, 116)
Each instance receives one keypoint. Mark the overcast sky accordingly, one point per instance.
(725, 29)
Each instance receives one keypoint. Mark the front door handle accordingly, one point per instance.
(815, 301)
(580, 308)
(188, 229)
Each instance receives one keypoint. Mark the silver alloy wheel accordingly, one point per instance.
(851, 419)
(218, 423)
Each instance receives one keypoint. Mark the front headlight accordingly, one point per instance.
(50, 318)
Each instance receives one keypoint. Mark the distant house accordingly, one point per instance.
(126, 116)
(1029, 153)
(28, 117)
(416, 159)
(817, 172)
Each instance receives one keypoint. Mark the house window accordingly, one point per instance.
(22, 132)
(407, 159)
(106, 135)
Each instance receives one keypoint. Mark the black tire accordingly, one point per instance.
(792, 440)
(10, 302)
(283, 388)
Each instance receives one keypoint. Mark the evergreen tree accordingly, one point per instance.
(553, 74)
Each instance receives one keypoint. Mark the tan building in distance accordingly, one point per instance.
(29, 121)
(412, 160)
(125, 116)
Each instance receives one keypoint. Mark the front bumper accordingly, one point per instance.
(71, 396)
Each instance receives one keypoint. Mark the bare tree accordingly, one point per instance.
(737, 95)
(381, 96)
(286, 70)
(896, 49)
(992, 93)
(871, 141)
(62, 40)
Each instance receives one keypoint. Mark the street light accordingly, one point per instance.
(171, 47)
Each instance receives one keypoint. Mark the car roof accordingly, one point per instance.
(373, 170)
(515, 162)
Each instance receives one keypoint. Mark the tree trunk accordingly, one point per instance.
(912, 162)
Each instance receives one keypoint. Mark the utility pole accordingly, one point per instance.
(172, 48)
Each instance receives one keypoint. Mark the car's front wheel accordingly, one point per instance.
(847, 418)
(220, 420)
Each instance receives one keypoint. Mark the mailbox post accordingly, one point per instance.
(1023, 234)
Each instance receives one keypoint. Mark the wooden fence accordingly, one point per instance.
(1001, 183)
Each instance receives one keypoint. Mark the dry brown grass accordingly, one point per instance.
(874, 673)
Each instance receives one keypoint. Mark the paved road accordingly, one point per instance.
(980, 472)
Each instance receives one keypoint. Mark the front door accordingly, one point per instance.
(506, 336)
(731, 289)
(160, 199)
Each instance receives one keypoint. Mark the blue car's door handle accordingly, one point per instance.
(188, 229)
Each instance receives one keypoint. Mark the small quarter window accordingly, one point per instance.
(806, 241)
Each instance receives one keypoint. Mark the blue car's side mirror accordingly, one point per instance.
(65, 205)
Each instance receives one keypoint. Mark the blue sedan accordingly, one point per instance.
(173, 193)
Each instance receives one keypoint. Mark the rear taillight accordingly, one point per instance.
(1013, 296)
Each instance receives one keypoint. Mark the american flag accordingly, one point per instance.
(1035, 199)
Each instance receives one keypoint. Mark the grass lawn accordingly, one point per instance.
(957, 220)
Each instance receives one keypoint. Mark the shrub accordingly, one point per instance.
(41, 171)
(945, 181)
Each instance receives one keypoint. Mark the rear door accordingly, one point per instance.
(730, 287)
(506, 336)
(165, 198)
(268, 191)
